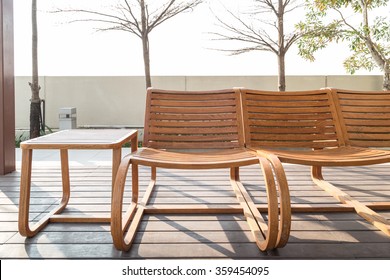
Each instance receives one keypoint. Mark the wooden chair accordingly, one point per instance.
(314, 128)
(365, 117)
(199, 130)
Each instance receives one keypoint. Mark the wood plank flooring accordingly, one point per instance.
(342, 235)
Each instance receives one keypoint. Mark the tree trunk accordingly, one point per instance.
(281, 72)
(35, 119)
(35, 106)
(282, 50)
(145, 44)
(377, 55)
(386, 77)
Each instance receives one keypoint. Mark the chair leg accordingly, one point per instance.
(124, 229)
(275, 233)
(119, 223)
(371, 216)
(263, 233)
(285, 201)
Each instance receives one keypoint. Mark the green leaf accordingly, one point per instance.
(324, 24)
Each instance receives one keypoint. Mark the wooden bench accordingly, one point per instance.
(321, 128)
(199, 130)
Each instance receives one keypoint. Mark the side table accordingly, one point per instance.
(64, 140)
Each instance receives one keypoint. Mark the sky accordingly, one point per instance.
(181, 46)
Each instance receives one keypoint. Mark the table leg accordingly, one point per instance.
(116, 160)
(117, 157)
(24, 199)
(65, 180)
(25, 191)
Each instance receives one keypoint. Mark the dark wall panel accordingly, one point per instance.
(7, 89)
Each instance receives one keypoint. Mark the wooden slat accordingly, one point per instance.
(192, 110)
(320, 129)
(298, 117)
(359, 109)
(201, 103)
(293, 137)
(274, 124)
(293, 110)
(307, 96)
(365, 143)
(288, 103)
(369, 136)
(362, 123)
(362, 95)
(193, 95)
(165, 123)
(287, 144)
(192, 138)
(193, 117)
(193, 131)
(365, 102)
(190, 145)
(363, 116)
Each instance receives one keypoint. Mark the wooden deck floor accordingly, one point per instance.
(313, 236)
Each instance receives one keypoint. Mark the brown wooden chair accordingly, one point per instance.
(313, 128)
(199, 130)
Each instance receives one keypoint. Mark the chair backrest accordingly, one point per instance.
(301, 119)
(193, 119)
(364, 116)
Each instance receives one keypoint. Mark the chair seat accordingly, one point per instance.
(341, 156)
(226, 158)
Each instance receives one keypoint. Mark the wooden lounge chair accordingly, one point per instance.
(199, 130)
(314, 128)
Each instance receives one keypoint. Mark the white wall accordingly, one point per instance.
(120, 101)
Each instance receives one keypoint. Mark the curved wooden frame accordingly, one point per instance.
(268, 235)
(361, 209)
(24, 204)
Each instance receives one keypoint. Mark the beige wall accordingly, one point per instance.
(120, 101)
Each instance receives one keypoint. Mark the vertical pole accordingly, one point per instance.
(7, 88)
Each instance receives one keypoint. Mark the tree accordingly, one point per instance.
(35, 105)
(138, 17)
(349, 20)
(261, 33)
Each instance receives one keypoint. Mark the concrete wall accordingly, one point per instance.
(120, 101)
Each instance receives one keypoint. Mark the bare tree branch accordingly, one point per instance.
(233, 52)
(254, 32)
(161, 15)
(134, 16)
(248, 34)
(173, 11)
